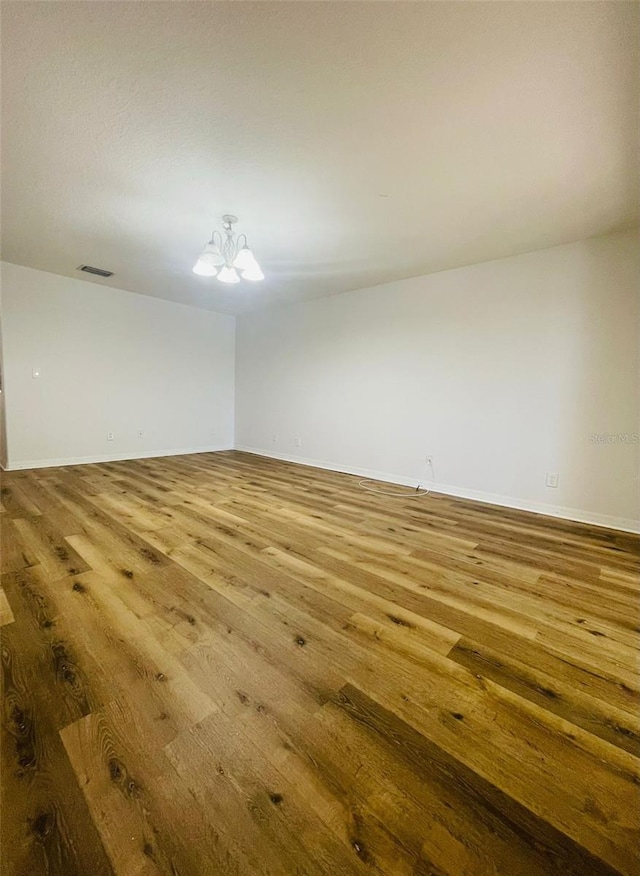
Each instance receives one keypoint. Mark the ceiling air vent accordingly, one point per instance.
(100, 272)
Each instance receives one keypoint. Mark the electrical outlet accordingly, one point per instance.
(109, 436)
(274, 438)
(297, 442)
(552, 479)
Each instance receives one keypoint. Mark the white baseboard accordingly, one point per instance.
(115, 457)
(623, 524)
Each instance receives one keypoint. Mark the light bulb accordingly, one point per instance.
(245, 260)
(253, 273)
(204, 268)
(228, 275)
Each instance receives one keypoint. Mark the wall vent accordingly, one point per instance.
(100, 272)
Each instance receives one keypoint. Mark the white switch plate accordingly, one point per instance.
(35, 373)
(552, 479)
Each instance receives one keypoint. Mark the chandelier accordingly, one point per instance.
(225, 256)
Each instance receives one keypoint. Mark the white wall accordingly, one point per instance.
(3, 422)
(110, 361)
(502, 371)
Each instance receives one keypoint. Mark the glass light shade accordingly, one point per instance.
(228, 275)
(253, 273)
(245, 260)
(204, 268)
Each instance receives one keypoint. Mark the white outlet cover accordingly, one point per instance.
(552, 479)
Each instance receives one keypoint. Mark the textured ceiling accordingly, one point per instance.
(358, 142)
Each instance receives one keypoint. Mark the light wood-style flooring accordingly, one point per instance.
(224, 664)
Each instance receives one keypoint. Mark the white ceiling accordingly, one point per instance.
(358, 142)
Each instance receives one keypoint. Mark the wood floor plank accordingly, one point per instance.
(563, 855)
(6, 612)
(226, 664)
(604, 720)
(142, 833)
(46, 827)
(40, 537)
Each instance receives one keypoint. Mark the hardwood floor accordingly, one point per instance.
(223, 664)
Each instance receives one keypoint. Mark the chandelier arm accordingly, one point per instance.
(237, 247)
